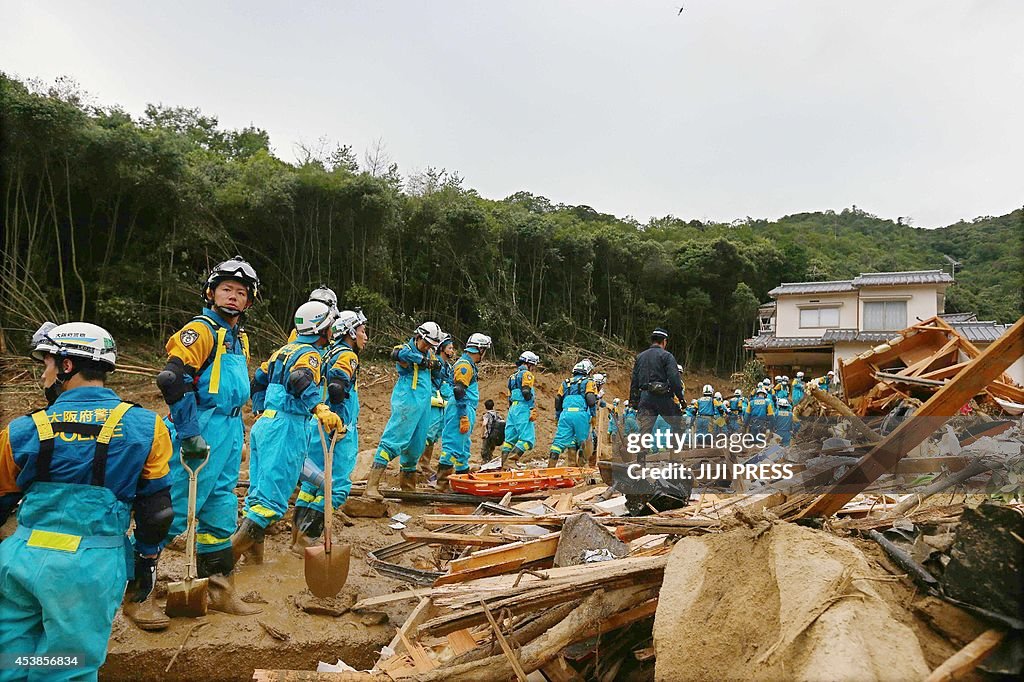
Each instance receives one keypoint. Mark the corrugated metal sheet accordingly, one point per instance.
(812, 287)
(983, 332)
(867, 279)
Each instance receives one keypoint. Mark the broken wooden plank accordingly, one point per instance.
(530, 550)
(445, 519)
(480, 572)
(944, 403)
(503, 643)
(839, 406)
(374, 602)
(968, 658)
(460, 539)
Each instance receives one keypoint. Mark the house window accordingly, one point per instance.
(819, 317)
(885, 316)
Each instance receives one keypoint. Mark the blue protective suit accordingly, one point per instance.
(734, 418)
(219, 354)
(758, 415)
(79, 466)
(572, 413)
(405, 434)
(798, 391)
(341, 364)
(455, 445)
(709, 412)
(785, 424)
(520, 431)
(442, 384)
(280, 437)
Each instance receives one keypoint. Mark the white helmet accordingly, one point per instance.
(431, 333)
(583, 367)
(783, 402)
(326, 295)
(75, 340)
(600, 379)
(348, 322)
(529, 357)
(478, 343)
(799, 375)
(615, 402)
(718, 395)
(738, 393)
(312, 317)
(778, 377)
(679, 368)
(708, 389)
(785, 378)
(766, 381)
(761, 390)
(831, 373)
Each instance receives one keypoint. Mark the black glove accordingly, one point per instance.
(430, 363)
(141, 585)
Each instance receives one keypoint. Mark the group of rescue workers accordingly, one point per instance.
(82, 469)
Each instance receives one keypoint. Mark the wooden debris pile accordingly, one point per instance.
(913, 365)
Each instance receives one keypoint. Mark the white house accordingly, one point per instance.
(812, 326)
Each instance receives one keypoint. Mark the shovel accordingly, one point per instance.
(326, 567)
(188, 597)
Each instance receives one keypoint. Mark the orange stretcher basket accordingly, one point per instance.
(497, 483)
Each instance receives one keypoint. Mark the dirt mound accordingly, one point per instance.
(778, 602)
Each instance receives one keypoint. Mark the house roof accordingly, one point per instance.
(813, 287)
(868, 279)
(954, 318)
(772, 342)
(865, 279)
(852, 335)
(983, 332)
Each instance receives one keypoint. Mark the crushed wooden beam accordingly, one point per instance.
(460, 539)
(968, 658)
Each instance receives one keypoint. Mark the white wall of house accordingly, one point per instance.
(787, 313)
(847, 351)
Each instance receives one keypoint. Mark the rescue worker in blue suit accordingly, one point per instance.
(630, 422)
(280, 437)
(690, 414)
(442, 383)
(781, 390)
(613, 420)
(520, 432)
(574, 406)
(324, 294)
(825, 383)
(80, 468)
(341, 393)
(405, 433)
(758, 416)
(460, 415)
(736, 405)
(205, 384)
(797, 389)
(785, 423)
(709, 410)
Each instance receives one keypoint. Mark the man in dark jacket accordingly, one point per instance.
(656, 385)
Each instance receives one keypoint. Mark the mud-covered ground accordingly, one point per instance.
(232, 647)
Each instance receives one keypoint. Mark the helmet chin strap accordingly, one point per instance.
(227, 310)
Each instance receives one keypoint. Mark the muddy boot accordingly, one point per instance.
(218, 566)
(510, 459)
(552, 461)
(443, 472)
(297, 519)
(309, 531)
(407, 480)
(146, 615)
(225, 599)
(373, 483)
(247, 536)
(423, 465)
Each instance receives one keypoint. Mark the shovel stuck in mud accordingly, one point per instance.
(188, 597)
(326, 566)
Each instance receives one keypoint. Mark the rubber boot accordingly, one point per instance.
(308, 531)
(423, 464)
(225, 599)
(443, 472)
(552, 461)
(373, 483)
(407, 480)
(146, 615)
(218, 567)
(246, 537)
(297, 519)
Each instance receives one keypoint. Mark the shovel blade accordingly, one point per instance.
(326, 572)
(187, 598)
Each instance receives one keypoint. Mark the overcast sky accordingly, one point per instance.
(734, 108)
